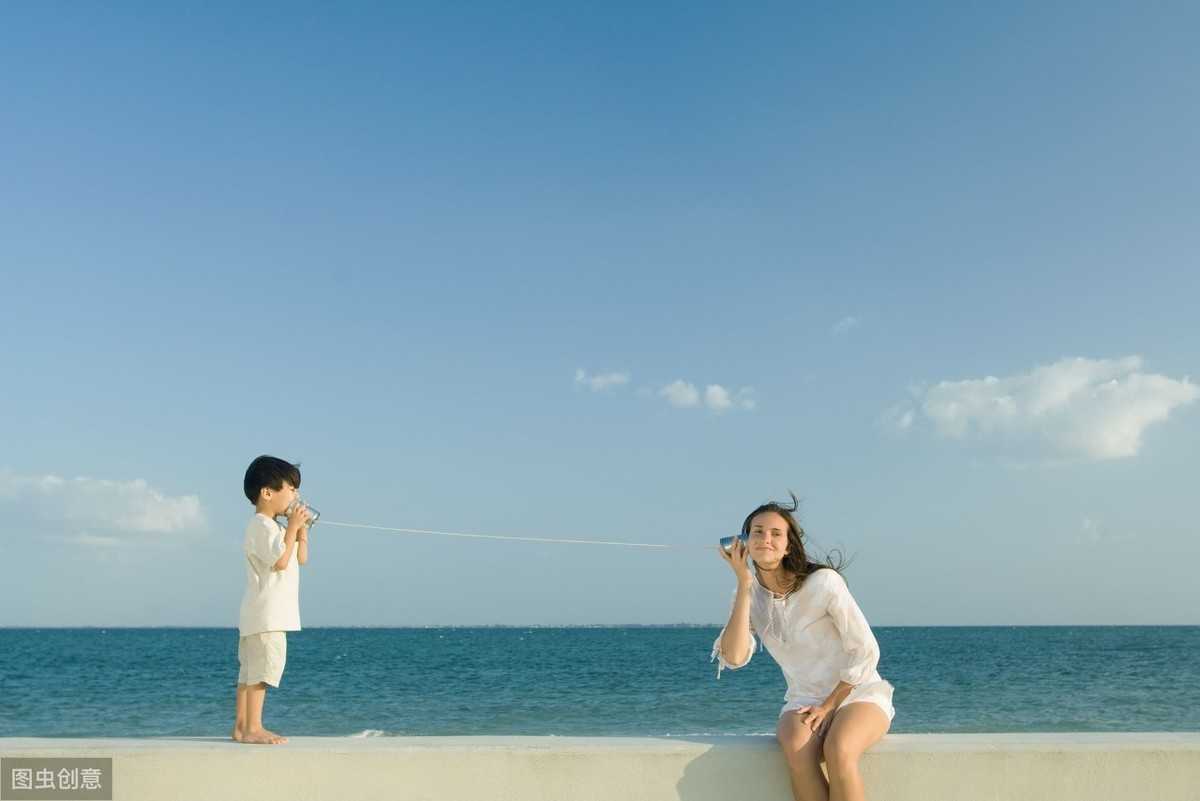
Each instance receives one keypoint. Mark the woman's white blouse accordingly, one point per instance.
(818, 635)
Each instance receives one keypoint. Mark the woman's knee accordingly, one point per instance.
(852, 732)
(798, 743)
(840, 753)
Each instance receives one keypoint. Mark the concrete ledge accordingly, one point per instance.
(904, 767)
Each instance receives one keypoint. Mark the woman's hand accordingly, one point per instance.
(738, 560)
(816, 718)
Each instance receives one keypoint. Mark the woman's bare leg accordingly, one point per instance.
(802, 750)
(855, 728)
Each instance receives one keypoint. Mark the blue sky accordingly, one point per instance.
(600, 271)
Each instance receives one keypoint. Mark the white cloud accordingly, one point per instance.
(685, 395)
(600, 381)
(681, 393)
(90, 503)
(717, 398)
(844, 325)
(1082, 408)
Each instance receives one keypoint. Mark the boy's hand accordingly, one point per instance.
(299, 517)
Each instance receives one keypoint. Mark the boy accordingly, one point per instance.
(271, 603)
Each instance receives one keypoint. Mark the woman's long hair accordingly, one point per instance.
(795, 561)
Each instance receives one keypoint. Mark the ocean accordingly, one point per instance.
(592, 681)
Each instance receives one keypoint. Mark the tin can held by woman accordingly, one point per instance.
(727, 542)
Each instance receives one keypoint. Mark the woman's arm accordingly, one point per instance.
(837, 696)
(858, 641)
(736, 643)
(736, 639)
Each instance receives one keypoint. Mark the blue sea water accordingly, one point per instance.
(631, 681)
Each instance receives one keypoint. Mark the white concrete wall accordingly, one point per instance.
(1003, 767)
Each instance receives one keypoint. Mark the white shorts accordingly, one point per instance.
(261, 657)
(875, 692)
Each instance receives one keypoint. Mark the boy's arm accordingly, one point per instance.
(289, 545)
(302, 546)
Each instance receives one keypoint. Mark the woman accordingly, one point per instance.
(837, 705)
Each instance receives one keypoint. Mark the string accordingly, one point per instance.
(652, 545)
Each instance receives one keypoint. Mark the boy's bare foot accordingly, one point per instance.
(263, 737)
(279, 738)
(237, 734)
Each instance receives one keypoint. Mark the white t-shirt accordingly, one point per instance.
(272, 598)
(818, 635)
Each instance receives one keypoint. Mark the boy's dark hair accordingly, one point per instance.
(267, 471)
